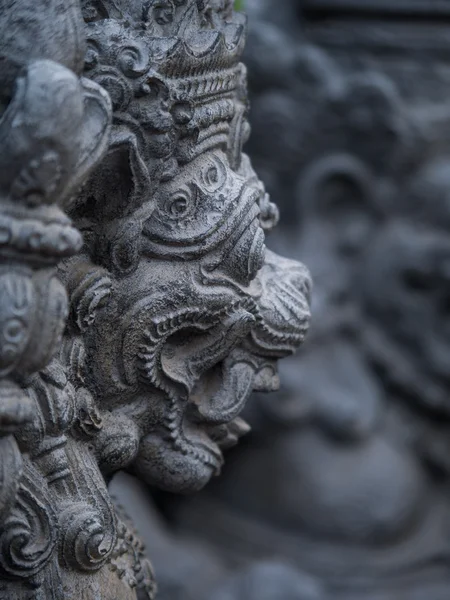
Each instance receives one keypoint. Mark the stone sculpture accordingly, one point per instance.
(346, 474)
(139, 308)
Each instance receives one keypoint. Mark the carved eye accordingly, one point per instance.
(179, 204)
(13, 331)
(213, 175)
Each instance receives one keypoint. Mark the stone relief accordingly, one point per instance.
(139, 306)
(341, 489)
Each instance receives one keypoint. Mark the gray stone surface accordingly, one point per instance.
(138, 305)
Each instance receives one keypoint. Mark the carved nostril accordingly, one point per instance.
(300, 279)
(284, 307)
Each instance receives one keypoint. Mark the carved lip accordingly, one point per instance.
(207, 442)
(197, 442)
(215, 412)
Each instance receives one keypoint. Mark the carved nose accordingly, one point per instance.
(242, 253)
(293, 274)
(284, 306)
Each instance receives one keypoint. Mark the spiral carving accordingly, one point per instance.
(29, 534)
(86, 541)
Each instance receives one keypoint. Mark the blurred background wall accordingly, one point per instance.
(341, 490)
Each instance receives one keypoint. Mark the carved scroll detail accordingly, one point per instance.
(29, 534)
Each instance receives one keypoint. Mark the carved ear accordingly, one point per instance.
(339, 190)
(122, 183)
(95, 131)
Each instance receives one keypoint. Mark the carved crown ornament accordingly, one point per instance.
(139, 306)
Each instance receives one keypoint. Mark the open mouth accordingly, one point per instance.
(212, 422)
(196, 441)
(220, 394)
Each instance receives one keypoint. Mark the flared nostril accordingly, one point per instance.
(298, 278)
(290, 274)
(284, 304)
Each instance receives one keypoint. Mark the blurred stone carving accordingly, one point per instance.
(345, 475)
(139, 308)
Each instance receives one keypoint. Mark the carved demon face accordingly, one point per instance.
(197, 312)
(199, 323)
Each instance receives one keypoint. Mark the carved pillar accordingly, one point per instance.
(175, 311)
